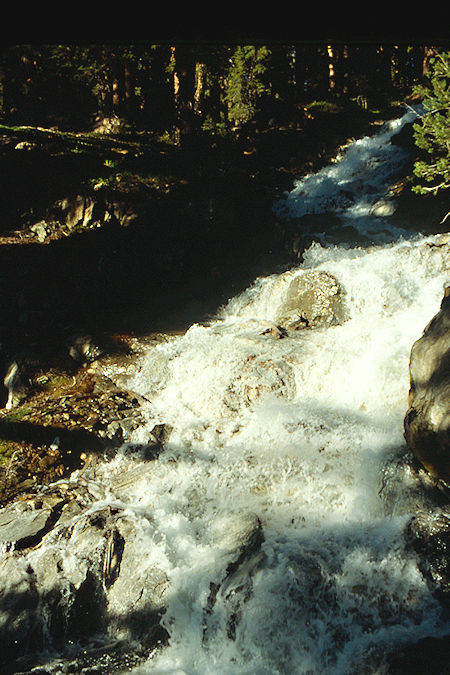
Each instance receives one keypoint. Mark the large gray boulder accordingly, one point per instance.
(427, 422)
(314, 299)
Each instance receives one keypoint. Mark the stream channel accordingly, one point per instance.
(268, 533)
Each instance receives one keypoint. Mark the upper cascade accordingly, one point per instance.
(354, 188)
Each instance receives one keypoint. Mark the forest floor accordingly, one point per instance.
(206, 231)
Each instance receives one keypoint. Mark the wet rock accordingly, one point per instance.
(19, 609)
(239, 539)
(383, 208)
(24, 524)
(428, 534)
(85, 350)
(313, 299)
(136, 596)
(74, 578)
(17, 382)
(237, 535)
(427, 422)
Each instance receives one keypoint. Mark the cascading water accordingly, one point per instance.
(355, 187)
(298, 431)
(296, 437)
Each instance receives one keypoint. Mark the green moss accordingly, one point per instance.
(52, 381)
(15, 415)
(7, 450)
(323, 107)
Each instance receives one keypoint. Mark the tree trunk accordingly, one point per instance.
(128, 90)
(344, 74)
(200, 73)
(427, 54)
(331, 69)
(115, 94)
(184, 88)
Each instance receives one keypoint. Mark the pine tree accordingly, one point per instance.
(247, 82)
(432, 133)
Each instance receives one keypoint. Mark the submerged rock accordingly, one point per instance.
(427, 422)
(260, 376)
(239, 541)
(313, 299)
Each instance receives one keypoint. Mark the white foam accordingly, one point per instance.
(298, 431)
(307, 457)
(351, 186)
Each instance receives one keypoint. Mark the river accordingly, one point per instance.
(299, 432)
(303, 432)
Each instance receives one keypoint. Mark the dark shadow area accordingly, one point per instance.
(41, 627)
(70, 441)
(189, 248)
(429, 655)
(130, 280)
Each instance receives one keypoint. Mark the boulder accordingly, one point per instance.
(77, 211)
(428, 535)
(24, 524)
(85, 350)
(427, 421)
(17, 382)
(259, 376)
(239, 540)
(40, 230)
(93, 578)
(313, 299)
(383, 208)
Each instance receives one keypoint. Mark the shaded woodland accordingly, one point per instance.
(179, 88)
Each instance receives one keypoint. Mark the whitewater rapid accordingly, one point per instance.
(356, 187)
(261, 507)
(305, 433)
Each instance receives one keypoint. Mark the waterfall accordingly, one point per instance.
(302, 432)
(299, 431)
(287, 428)
(356, 187)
